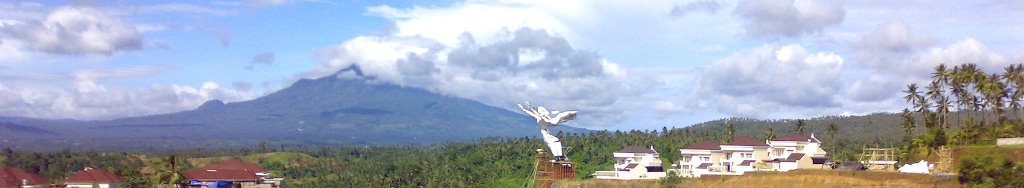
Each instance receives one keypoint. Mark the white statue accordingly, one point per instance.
(545, 120)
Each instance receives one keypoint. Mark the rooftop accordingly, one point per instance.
(215, 175)
(11, 177)
(636, 149)
(746, 141)
(704, 145)
(91, 175)
(795, 137)
(235, 164)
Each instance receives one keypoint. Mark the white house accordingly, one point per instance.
(704, 157)
(633, 163)
(746, 154)
(795, 151)
(743, 154)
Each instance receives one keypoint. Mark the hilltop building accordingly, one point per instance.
(93, 178)
(746, 154)
(15, 177)
(634, 163)
(231, 173)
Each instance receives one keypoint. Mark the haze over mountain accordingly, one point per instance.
(346, 108)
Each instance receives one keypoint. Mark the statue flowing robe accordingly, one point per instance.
(545, 121)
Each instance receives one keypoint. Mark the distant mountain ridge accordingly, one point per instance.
(346, 108)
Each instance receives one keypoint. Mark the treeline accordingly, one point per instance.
(56, 166)
(967, 106)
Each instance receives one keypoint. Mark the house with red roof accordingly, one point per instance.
(703, 157)
(797, 151)
(93, 178)
(16, 177)
(745, 154)
(231, 173)
(634, 163)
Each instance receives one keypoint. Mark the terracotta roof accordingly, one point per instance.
(636, 149)
(793, 157)
(795, 137)
(215, 175)
(746, 141)
(703, 166)
(234, 165)
(11, 177)
(747, 162)
(704, 145)
(91, 175)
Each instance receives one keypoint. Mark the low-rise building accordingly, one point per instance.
(16, 177)
(797, 151)
(704, 157)
(231, 173)
(634, 162)
(93, 178)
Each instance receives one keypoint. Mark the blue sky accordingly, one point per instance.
(623, 64)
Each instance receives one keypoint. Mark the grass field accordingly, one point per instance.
(798, 178)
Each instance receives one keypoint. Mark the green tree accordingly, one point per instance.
(908, 124)
(168, 171)
(832, 131)
(800, 124)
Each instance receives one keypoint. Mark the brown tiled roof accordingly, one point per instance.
(746, 141)
(635, 149)
(12, 177)
(747, 162)
(234, 165)
(704, 145)
(703, 166)
(793, 157)
(215, 175)
(795, 137)
(631, 165)
(819, 160)
(93, 176)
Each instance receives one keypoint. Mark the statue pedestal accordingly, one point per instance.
(549, 171)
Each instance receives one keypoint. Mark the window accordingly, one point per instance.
(705, 158)
(777, 152)
(746, 155)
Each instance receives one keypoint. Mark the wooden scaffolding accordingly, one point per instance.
(546, 171)
(879, 159)
(945, 164)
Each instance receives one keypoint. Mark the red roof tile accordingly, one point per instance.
(11, 177)
(214, 175)
(636, 149)
(234, 165)
(747, 162)
(704, 145)
(93, 176)
(746, 141)
(703, 166)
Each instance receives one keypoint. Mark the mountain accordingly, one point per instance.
(340, 109)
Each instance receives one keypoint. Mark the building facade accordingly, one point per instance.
(634, 163)
(746, 154)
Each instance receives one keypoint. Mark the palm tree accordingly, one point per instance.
(832, 131)
(935, 92)
(799, 126)
(769, 134)
(912, 95)
(169, 171)
(729, 132)
(908, 123)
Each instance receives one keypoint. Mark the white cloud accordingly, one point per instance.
(77, 30)
(494, 74)
(788, 18)
(88, 97)
(760, 82)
